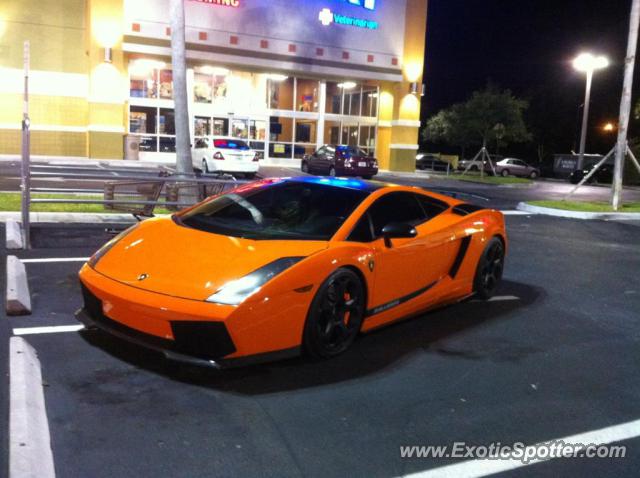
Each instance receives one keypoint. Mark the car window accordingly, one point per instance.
(230, 144)
(395, 207)
(321, 152)
(201, 143)
(431, 206)
(285, 210)
(363, 231)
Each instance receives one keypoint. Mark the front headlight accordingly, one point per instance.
(93, 260)
(234, 292)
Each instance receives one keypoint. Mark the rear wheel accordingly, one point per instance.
(533, 175)
(335, 315)
(505, 173)
(332, 171)
(249, 175)
(205, 166)
(489, 270)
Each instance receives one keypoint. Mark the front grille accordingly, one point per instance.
(205, 340)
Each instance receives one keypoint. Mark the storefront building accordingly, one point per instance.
(286, 75)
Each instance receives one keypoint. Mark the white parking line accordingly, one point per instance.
(30, 452)
(55, 259)
(47, 330)
(480, 468)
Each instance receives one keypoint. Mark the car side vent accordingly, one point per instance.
(466, 209)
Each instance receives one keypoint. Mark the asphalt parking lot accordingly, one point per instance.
(556, 354)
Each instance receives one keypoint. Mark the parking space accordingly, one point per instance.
(555, 354)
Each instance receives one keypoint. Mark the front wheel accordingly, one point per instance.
(505, 173)
(533, 175)
(332, 171)
(489, 270)
(335, 315)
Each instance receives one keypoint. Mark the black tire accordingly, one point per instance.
(332, 171)
(367, 176)
(489, 269)
(304, 167)
(534, 175)
(335, 315)
(249, 175)
(505, 173)
(205, 166)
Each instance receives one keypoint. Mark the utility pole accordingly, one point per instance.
(25, 183)
(178, 61)
(585, 120)
(625, 105)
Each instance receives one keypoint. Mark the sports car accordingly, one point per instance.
(283, 266)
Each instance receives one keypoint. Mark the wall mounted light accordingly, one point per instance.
(413, 88)
(276, 77)
(108, 55)
(347, 85)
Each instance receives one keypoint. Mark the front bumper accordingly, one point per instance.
(234, 166)
(196, 342)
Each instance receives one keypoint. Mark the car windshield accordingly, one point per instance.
(230, 144)
(282, 210)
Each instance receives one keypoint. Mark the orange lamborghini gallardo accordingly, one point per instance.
(283, 266)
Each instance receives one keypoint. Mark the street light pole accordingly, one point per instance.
(587, 63)
(585, 120)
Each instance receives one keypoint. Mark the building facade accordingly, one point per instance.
(287, 75)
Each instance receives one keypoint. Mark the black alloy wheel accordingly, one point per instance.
(335, 315)
(490, 269)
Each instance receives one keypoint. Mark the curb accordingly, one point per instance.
(577, 214)
(13, 235)
(30, 454)
(18, 300)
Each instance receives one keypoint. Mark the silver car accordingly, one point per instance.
(516, 167)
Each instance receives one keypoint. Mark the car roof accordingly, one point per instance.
(347, 183)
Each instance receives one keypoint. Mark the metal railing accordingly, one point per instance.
(131, 190)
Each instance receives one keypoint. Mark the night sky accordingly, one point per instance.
(527, 46)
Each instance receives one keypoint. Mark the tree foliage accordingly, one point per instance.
(489, 115)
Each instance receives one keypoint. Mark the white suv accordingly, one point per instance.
(217, 154)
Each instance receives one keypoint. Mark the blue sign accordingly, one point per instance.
(327, 17)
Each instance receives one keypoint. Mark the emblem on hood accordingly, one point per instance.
(143, 276)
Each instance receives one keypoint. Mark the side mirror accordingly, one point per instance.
(396, 230)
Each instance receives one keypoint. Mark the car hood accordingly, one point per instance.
(161, 256)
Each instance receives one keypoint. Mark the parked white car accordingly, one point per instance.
(218, 154)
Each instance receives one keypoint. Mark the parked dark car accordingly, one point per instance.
(335, 160)
(431, 162)
(602, 175)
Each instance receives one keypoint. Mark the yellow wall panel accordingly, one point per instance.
(106, 114)
(58, 143)
(106, 145)
(10, 141)
(44, 110)
(382, 150)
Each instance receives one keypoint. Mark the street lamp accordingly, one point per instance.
(587, 63)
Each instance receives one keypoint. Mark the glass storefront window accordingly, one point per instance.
(167, 144)
(331, 132)
(142, 120)
(307, 94)
(166, 84)
(281, 137)
(306, 131)
(280, 93)
(148, 144)
(349, 135)
(352, 100)
(368, 137)
(334, 98)
(143, 83)
(220, 126)
(202, 88)
(166, 121)
(220, 87)
(370, 101)
(257, 130)
(201, 126)
(240, 128)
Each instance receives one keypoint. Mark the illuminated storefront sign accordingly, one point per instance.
(224, 3)
(327, 17)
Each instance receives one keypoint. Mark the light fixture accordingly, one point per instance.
(276, 77)
(587, 62)
(423, 90)
(107, 55)
(214, 70)
(413, 88)
(347, 85)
